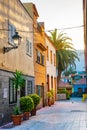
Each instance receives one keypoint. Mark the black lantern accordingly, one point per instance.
(16, 40)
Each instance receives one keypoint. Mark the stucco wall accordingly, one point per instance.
(12, 11)
(50, 67)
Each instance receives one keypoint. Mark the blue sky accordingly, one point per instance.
(62, 14)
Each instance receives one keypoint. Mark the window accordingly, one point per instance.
(12, 92)
(12, 30)
(39, 90)
(29, 47)
(40, 57)
(29, 87)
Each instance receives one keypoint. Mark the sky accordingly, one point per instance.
(62, 14)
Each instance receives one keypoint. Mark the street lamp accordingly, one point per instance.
(16, 39)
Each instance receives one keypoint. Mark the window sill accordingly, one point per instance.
(28, 54)
(39, 63)
(12, 104)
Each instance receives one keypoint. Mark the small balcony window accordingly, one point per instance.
(29, 47)
(12, 92)
(40, 57)
(12, 30)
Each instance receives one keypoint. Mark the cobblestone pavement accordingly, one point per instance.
(63, 115)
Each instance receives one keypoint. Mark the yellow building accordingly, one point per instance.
(39, 53)
(14, 17)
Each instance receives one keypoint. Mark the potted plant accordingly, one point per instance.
(36, 100)
(18, 82)
(26, 105)
(52, 92)
(16, 116)
(49, 97)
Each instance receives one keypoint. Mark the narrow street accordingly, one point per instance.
(63, 115)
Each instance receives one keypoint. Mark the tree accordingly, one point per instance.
(61, 40)
(64, 59)
(65, 52)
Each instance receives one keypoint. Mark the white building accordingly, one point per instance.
(51, 65)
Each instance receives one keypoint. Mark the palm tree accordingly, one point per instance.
(65, 52)
(18, 79)
(64, 59)
(61, 40)
(18, 82)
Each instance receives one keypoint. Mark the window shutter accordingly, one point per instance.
(29, 87)
(29, 48)
(42, 59)
(12, 30)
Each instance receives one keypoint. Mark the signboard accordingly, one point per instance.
(5, 93)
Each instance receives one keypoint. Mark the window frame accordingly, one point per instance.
(29, 89)
(39, 91)
(12, 30)
(13, 95)
(28, 47)
(40, 58)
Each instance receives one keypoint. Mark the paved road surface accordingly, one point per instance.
(63, 115)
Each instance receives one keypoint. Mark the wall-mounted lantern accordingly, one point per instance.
(16, 40)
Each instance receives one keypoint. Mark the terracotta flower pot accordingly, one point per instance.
(17, 119)
(26, 115)
(52, 101)
(49, 102)
(33, 112)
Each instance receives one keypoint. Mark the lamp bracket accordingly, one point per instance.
(7, 49)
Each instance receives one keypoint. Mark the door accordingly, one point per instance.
(22, 91)
(80, 92)
(40, 92)
(48, 85)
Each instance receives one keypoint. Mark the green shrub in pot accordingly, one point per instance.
(26, 105)
(36, 100)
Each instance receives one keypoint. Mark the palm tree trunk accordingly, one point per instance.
(18, 98)
(58, 78)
